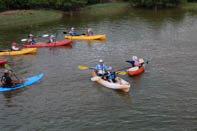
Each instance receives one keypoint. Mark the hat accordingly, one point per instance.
(72, 28)
(134, 58)
(13, 43)
(100, 61)
(6, 71)
(30, 35)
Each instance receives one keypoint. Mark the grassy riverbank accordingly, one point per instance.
(190, 6)
(105, 7)
(22, 17)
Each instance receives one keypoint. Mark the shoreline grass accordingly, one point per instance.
(24, 17)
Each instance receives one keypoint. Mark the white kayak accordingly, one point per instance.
(125, 86)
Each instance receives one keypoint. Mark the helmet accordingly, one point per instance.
(72, 28)
(134, 58)
(100, 61)
(13, 43)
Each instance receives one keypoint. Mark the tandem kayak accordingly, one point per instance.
(85, 37)
(29, 81)
(20, 52)
(125, 86)
(46, 44)
(3, 62)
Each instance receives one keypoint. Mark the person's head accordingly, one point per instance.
(72, 28)
(13, 43)
(110, 69)
(89, 29)
(30, 35)
(135, 58)
(141, 60)
(101, 61)
(6, 72)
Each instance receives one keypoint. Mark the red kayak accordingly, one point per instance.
(136, 70)
(46, 44)
(3, 62)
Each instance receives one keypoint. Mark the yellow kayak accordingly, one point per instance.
(20, 52)
(85, 37)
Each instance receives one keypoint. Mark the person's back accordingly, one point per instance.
(31, 39)
(51, 38)
(101, 69)
(72, 32)
(90, 33)
(14, 47)
(6, 80)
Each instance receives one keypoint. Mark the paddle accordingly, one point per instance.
(76, 35)
(45, 35)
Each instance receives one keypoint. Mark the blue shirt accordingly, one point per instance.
(101, 69)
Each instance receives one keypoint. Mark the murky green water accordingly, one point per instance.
(164, 98)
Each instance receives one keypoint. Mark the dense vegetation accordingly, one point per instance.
(157, 3)
(41, 4)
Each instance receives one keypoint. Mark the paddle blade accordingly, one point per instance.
(23, 40)
(82, 67)
(7, 67)
(64, 32)
(95, 78)
(122, 73)
(46, 35)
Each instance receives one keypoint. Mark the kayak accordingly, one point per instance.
(29, 81)
(125, 86)
(46, 44)
(133, 71)
(85, 37)
(20, 52)
(3, 62)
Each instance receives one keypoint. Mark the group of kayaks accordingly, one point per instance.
(31, 49)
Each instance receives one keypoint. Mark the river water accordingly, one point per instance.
(164, 98)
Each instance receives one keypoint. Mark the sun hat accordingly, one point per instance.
(100, 61)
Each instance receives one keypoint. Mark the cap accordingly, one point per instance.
(100, 61)
(72, 28)
(6, 71)
(13, 43)
(30, 35)
(134, 58)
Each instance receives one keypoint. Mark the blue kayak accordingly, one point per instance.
(28, 81)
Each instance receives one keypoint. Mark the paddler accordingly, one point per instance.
(112, 76)
(52, 38)
(15, 47)
(90, 33)
(31, 39)
(72, 32)
(101, 69)
(134, 62)
(6, 80)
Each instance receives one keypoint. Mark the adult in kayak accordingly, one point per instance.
(52, 38)
(101, 69)
(15, 47)
(6, 80)
(90, 33)
(134, 62)
(112, 76)
(31, 40)
(72, 32)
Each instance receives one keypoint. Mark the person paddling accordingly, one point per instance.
(101, 69)
(134, 62)
(15, 47)
(112, 76)
(90, 33)
(72, 32)
(31, 40)
(6, 80)
(52, 38)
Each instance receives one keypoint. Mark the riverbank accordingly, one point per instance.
(23, 17)
(190, 6)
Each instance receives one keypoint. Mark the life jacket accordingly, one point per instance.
(101, 69)
(3, 80)
(90, 33)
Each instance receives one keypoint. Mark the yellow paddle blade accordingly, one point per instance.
(82, 67)
(122, 73)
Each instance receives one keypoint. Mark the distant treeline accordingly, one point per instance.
(158, 3)
(46, 4)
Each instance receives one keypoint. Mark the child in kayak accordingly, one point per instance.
(112, 76)
(31, 40)
(101, 69)
(15, 47)
(52, 38)
(90, 33)
(6, 80)
(72, 32)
